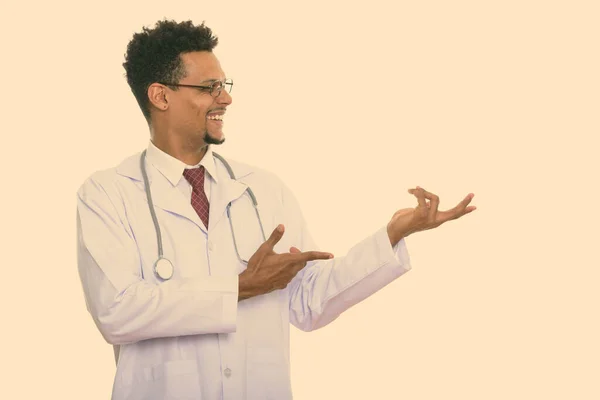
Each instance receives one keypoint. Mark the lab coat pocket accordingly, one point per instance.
(177, 379)
(267, 374)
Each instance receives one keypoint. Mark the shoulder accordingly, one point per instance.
(250, 173)
(269, 183)
(106, 182)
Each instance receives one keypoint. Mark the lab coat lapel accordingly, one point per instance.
(164, 195)
(169, 198)
(222, 193)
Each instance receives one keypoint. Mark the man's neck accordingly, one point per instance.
(185, 152)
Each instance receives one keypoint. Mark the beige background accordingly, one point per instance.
(351, 105)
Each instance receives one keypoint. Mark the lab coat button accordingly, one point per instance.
(227, 372)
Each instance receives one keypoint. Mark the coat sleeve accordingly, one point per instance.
(324, 289)
(125, 307)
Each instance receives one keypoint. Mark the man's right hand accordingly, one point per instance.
(268, 271)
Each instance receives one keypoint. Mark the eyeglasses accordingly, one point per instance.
(214, 89)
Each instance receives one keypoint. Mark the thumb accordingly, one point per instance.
(275, 237)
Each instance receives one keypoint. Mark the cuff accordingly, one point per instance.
(397, 254)
(217, 299)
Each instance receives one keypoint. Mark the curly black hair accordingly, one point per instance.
(153, 55)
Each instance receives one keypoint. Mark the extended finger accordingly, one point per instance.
(312, 255)
(465, 202)
(459, 210)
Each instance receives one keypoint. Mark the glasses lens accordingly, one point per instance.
(217, 87)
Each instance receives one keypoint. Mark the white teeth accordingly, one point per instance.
(217, 117)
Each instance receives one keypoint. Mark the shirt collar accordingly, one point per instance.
(172, 168)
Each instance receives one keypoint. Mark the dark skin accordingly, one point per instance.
(180, 123)
(181, 126)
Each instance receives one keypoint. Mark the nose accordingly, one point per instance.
(224, 98)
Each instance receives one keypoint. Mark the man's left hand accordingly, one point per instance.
(425, 216)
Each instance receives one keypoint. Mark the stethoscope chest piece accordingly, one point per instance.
(163, 269)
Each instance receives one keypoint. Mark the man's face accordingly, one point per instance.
(192, 111)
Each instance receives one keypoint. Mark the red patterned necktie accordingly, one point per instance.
(195, 177)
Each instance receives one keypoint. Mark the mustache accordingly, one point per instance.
(216, 109)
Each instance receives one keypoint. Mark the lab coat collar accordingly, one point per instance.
(167, 196)
(172, 168)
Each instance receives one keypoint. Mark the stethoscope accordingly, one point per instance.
(163, 267)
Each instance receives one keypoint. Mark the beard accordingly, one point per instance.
(210, 140)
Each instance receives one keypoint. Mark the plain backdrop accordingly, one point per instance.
(352, 104)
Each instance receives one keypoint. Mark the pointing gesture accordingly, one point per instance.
(268, 271)
(426, 215)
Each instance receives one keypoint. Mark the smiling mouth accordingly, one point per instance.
(216, 122)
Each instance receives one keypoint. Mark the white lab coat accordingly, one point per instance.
(190, 338)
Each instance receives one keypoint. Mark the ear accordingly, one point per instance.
(157, 94)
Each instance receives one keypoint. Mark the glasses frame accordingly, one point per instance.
(227, 81)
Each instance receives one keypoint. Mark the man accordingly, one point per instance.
(212, 322)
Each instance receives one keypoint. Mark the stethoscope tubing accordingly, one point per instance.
(157, 225)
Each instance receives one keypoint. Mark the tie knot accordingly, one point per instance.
(195, 177)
